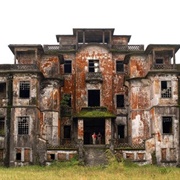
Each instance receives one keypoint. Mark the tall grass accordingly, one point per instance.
(72, 171)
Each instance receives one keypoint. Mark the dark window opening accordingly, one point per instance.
(121, 131)
(93, 97)
(24, 89)
(167, 125)
(23, 125)
(166, 89)
(67, 132)
(119, 66)
(1, 154)
(159, 61)
(120, 100)
(18, 154)
(68, 99)
(67, 66)
(3, 90)
(2, 128)
(52, 156)
(93, 65)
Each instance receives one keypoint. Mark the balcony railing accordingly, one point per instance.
(128, 47)
(162, 66)
(57, 48)
(18, 67)
(94, 76)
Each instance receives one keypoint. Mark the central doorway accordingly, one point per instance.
(94, 125)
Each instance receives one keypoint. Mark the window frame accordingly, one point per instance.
(170, 126)
(91, 102)
(21, 154)
(69, 132)
(2, 126)
(118, 63)
(23, 128)
(67, 66)
(166, 94)
(68, 99)
(159, 58)
(92, 68)
(28, 89)
(117, 104)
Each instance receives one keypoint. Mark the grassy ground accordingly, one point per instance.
(72, 171)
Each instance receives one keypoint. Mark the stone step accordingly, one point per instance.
(95, 155)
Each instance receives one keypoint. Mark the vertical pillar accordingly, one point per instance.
(76, 40)
(108, 134)
(110, 39)
(83, 37)
(15, 57)
(174, 59)
(103, 37)
(80, 129)
(153, 59)
(36, 58)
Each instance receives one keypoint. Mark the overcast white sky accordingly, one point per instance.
(39, 21)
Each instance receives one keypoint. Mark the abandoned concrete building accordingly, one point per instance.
(54, 97)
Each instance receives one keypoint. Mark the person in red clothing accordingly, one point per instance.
(94, 136)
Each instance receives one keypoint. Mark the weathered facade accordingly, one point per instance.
(54, 97)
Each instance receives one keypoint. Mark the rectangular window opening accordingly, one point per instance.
(93, 65)
(3, 90)
(1, 155)
(167, 125)
(67, 132)
(166, 89)
(2, 126)
(24, 89)
(121, 131)
(120, 101)
(93, 97)
(52, 156)
(18, 154)
(159, 61)
(23, 125)
(67, 100)
(119, 66)
(67, 66)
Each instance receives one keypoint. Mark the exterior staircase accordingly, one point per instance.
(95, 155)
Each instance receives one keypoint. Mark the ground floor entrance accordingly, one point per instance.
(96, 125)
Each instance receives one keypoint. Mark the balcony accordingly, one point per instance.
(94, 77)
(49, 49)
(127, 47)
(18, 68)
(162, 66)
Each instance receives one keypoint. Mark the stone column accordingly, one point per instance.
(80, 129)
(108, 134)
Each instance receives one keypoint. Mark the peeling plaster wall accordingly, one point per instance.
(106, 66)
(50, 66)
(108, 131)
(139, 126)
(156, 90)
(33, 78)
(168, 142)
(49, 95)
(137, 66)
(27, 140)
(51, 127)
